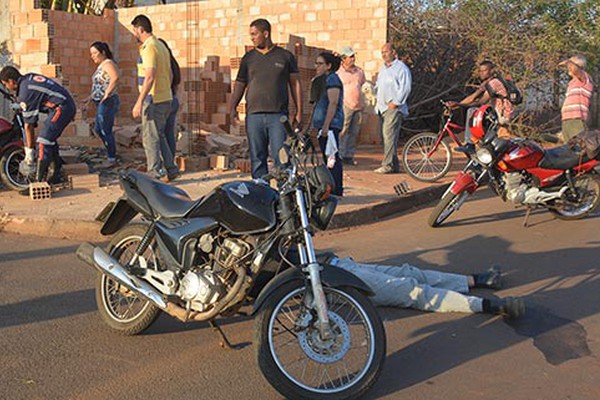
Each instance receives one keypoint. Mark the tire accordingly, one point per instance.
(9, 169)
(449, 203)
(588, 186)
(418, 165)
(111, 297)
(276, 323)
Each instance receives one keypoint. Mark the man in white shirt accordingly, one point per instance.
(394, 84)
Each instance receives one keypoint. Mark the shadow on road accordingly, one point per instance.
(449, 344)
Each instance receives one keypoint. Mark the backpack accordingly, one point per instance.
(514, 95)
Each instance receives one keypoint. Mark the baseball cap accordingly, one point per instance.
(346, 51)
(577, 60)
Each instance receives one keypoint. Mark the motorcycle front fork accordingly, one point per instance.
(312, 268)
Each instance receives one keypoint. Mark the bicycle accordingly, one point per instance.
(426, 156)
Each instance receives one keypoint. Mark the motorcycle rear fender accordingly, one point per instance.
(331, 276)
(115, 216)
(463, 181)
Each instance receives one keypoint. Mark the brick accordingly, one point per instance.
(244, 165)
(219, 162)
(40, 191)
(88, 181)
(76, 169)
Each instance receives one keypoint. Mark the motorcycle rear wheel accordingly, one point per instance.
(9, 169)
(418, 165)
(300, 365)
(119, 308)
(449, 203)
(588, 187)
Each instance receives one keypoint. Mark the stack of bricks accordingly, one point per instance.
(207, 91)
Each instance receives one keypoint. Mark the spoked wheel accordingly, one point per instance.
(586, 201)
(9, 169)
(300, 364)
(120, 308)
(424, 161)
(449, 203)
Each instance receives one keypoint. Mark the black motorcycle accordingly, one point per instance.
(318, 335)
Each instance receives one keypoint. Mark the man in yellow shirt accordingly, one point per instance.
(154, 101)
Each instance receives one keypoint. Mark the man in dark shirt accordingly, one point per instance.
(266, 72)
(39, 94)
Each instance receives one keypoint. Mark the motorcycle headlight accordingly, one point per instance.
(484, 156)
(322, 214)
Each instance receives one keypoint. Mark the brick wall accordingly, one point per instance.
(57, 43)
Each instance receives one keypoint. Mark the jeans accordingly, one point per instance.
(170, 128)
(338, 170)
(391, 121)
(264, 130)
(105, 119)
(352, 120)
(154, 119)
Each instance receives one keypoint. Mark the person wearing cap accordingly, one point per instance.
(394, 83)
(352, 78)
(576, 107)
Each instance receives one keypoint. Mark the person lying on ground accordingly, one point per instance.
(407, 286)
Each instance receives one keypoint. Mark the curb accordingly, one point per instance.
(377, 212)
(90, 230)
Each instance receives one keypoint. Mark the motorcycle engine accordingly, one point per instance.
(519, 192)
(206, 285)
(515, 188)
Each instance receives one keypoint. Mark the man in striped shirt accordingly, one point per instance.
(576, 107)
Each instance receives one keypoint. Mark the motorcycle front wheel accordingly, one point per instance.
(299, 364)
(588, 195)
(9, 169)
(449, 203)
(120, 308)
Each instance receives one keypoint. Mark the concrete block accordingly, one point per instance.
(87, 181)
(219, 162)
(76, 169)
(40, 191)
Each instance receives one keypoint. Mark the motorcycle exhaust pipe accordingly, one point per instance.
(106, 264)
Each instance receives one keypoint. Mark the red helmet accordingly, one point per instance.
(481, 120)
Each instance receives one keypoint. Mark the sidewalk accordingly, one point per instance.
(368, 197)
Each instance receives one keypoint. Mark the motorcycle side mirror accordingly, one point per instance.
(284, 156)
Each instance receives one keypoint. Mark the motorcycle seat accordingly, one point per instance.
(563, 157)
(166, 200)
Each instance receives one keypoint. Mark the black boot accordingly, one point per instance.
(512, 307)
(492, 279)
(56, 171)
(42, 170)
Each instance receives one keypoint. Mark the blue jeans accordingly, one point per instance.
(264, 130)
(337, 171)
(170, 128)
(105, 119)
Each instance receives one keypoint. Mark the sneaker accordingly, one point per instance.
(511, 307)
(492, 279)
(384, 170)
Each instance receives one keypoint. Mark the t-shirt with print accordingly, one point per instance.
(267, 76)
(154, 54)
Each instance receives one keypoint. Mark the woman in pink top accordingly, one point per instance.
(576, 107)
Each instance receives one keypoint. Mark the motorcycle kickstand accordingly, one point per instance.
(225, 343)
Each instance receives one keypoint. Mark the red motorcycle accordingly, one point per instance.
(12, 137)
(562, 179)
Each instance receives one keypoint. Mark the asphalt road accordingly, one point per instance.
(54, 345)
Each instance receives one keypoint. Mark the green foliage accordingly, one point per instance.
(444, 40)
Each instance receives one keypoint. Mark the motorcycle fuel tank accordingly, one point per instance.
(524, 155)
(243, 207)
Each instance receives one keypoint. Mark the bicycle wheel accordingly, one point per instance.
(425, 161)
